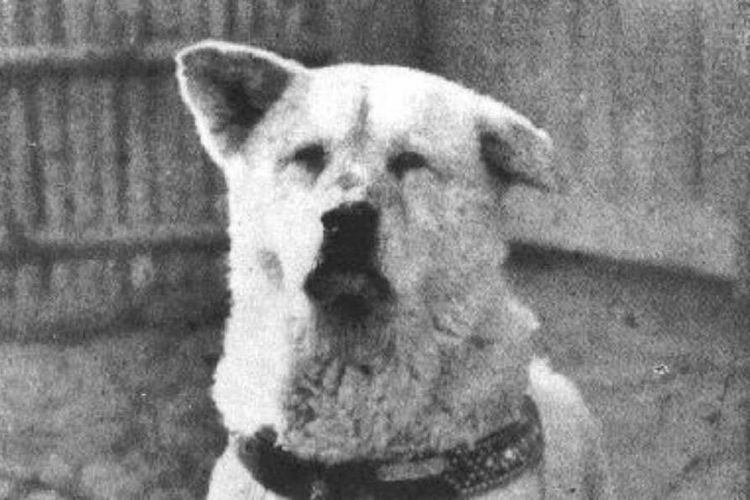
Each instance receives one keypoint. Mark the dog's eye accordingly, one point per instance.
(312, 157)
(399, 164)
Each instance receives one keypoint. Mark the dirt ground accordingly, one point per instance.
(662, 359)
(116, 415)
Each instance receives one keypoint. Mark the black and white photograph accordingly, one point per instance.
(374, 249)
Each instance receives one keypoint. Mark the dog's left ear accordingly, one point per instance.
(513, 149)
(229, 88)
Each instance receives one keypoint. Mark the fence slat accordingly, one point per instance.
(195, 20)
(7, 19)
(7, 273)
(560, 87)
(165, 19)
(24, 174)
(594, 105)
(47, 22)
(82, 124)
(220, 14)
(249, 20)
(141, 174)
(58, 278)
(657, 111)
(190, 188)
(727, 105)
(176, 176)
(93, 288)
(52, 144)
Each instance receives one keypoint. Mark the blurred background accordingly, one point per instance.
(112, 286)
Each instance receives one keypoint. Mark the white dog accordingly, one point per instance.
(374, 349)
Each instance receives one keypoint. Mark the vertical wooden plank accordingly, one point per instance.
(19, 163)
(193, 195)
(104, 25)
(516, 40)
(7, 269)
(639, 103)
(166, 138)
(615, 70)
(141, 172)
(205, 176)
(658, 115)
(20, 17)
(138, 103)
(680, 122)
(6, 197)
(743, 219)
(165, 144)
(559, 90)
(195, 20)
(250, 21)
(82, 124)
(166, 19)
(7, 18)
(109, 16)
(596, 99)
(696, 39)
(53, 145)
(726, 104)
(28, 283)
(47, 22)
(25, 176)
(172, 181)
(220, 16)
(384, 31)
(53, 142)
(93, 285)
(727, 175)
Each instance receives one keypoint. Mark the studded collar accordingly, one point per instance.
(462, 472)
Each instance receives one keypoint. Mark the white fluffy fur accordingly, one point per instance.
(449, 360)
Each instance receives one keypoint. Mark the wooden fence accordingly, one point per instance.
(648, 102)
(110, 211)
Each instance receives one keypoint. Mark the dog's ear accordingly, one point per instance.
(229, 88)
(513, 149)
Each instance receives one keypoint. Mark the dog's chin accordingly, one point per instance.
(350, 295)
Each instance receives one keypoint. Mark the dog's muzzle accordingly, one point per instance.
(347, 274)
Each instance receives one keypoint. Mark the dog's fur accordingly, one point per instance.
(414, 343)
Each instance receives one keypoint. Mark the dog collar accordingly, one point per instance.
(464, 471)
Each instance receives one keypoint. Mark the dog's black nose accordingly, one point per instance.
(350, 234)
(351, 217)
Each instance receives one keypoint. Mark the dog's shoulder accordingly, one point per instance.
(574, 464)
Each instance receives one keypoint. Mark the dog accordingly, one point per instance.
(374, 349)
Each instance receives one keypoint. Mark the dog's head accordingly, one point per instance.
(372, 196)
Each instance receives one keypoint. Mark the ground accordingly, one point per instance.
(662, 359)
(119, 415)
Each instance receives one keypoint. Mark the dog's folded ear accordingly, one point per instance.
(229, 88)
(513, 149)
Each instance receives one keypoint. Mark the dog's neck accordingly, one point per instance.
(492, 462)
(425, 392)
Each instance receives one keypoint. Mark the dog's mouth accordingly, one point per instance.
(349, 292)
(346, 282)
